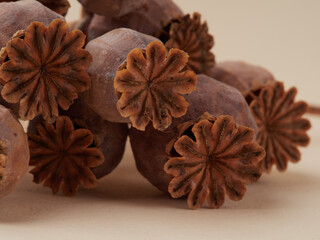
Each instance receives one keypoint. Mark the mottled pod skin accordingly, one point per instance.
(109, 52)
(245, 77)
(16, 16)
(111, 8)
(148, 19)
(214, 97)
(14, 152)
(109, 137)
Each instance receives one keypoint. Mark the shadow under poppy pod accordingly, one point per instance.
(190, 34)
(109, 53)
(212, 157)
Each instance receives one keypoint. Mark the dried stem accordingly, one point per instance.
(314, 110)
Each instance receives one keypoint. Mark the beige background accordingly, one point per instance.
(283, 36)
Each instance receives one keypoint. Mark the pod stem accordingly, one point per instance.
(314, 110)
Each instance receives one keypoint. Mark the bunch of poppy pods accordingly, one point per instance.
(141, 69)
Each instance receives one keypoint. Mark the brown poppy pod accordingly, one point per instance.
(14, 152)
(59, 6)
(110, 138)
(16, 16)
(247, 78)
(148, 19)
(109, 52)
(282, 127)
(212, 96)
(111, 8)
(12, 26)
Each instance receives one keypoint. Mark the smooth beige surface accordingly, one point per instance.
(283, 36)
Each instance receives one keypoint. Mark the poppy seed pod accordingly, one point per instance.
(212, 96)
(15, 16)
(111, 8)
(282, 127)
(148, 19)
(109, 52)
(247, 78)
(110, 138)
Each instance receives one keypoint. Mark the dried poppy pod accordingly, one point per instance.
(111, 8)
(110, 138)
(210, 158)
(109, 52)
(14, 152)
(59, 6)
(148, 81)
(279, 117)
(189, 34)
(281, 127)
(63, 156)
(45, 69)
(151, 85)
(15, 16)
(214, 97)
(148, 19)
(247, 78)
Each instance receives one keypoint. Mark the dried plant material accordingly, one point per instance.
(58, 6)
(109, 53)
(14, 152)
(281, 126)
(151, 86)
(15, 16)
(46, 69)
(220, 159)
(63, 156)
(247, 78)
(190, 35)
(147, 19)
(111, 8)
(212, 96)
